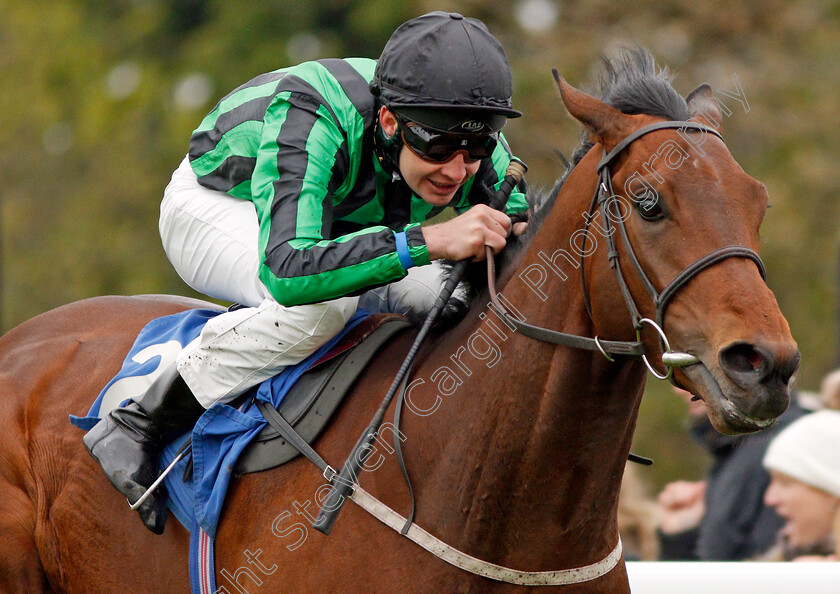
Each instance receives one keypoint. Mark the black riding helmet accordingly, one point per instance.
(444, 72)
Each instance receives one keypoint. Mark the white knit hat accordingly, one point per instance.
(809, 451)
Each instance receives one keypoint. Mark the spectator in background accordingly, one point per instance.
(804, 465)
(830, 390)
(723, 518)
(637, 517)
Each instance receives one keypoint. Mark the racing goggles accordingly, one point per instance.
(440, 147)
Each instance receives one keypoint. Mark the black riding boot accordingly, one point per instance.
(127, 441)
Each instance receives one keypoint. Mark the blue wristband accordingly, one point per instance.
(402, 250)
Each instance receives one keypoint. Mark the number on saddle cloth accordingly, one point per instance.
(335, 366)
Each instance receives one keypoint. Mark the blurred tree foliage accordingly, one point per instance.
(100, 97)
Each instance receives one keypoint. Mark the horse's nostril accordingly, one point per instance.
(747, 364)
(744, 358)
(763, 371)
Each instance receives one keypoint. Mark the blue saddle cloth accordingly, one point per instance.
(220, 435)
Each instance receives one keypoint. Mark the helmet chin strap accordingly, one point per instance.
(387, 148)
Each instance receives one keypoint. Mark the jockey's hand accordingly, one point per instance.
(466, 235)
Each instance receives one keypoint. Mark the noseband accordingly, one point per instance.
(603, 199)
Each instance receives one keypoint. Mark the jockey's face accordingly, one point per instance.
(436, 183)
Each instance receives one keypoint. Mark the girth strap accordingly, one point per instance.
(282, 426)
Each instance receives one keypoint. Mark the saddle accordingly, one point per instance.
(311, 402)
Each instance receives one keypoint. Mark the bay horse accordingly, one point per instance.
(515, 446)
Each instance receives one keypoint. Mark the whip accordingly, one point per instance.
(342, 482)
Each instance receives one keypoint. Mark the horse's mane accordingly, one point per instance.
(632, 83)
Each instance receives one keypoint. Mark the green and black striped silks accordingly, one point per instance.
(298, 143)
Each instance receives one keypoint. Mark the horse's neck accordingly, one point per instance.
(527, 451)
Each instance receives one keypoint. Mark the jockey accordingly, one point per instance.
(301, 199)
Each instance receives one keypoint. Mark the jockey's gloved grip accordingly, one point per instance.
(343, 481)
(514, 174)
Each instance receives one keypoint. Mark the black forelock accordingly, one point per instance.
(634, 84)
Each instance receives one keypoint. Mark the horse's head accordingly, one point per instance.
(678, 199)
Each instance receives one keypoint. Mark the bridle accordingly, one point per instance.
(603, 198)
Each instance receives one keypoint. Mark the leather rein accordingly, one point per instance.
(603, 199)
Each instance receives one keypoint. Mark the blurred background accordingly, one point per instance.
(100, 98)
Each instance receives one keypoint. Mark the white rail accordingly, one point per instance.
(733, 578)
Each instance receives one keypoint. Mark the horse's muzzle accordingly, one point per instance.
(749, 387)
(763, 373)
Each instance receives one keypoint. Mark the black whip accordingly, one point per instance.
(342, 482)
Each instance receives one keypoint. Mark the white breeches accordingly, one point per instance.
(211, 239)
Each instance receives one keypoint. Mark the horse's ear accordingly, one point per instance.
(704, 107)
(604, 122)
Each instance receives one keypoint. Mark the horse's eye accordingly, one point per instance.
(650, 207)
